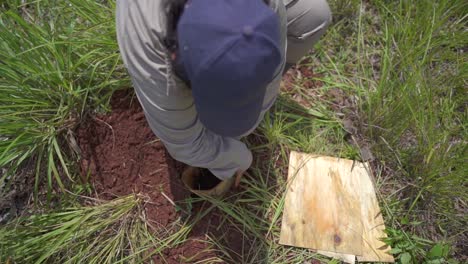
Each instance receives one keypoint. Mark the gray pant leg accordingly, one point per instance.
(307, 22)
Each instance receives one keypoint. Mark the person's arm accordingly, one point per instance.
(166, 100)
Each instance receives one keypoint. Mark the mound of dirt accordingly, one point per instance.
(121, 155)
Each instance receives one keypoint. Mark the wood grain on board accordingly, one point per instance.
(331, 206)
(372, 220)
(322, 209)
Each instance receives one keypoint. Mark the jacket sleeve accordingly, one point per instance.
(166, 100)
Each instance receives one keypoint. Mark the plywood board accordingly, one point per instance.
(346, 258)
(331, 207)
(373, 248)
(322, 208)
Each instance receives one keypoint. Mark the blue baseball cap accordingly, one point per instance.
(230, 50)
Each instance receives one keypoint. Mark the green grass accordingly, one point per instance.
(405, 62)
(400, 64)
(58, 61)
(105, 232)
(421, 121)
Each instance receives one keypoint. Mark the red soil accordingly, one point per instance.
(121, 155)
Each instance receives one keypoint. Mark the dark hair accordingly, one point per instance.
(173, 10)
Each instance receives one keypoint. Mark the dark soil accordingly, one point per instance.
(16, 196)
(121, 155)
(302, 75)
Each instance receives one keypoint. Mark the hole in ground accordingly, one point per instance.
(207, 180)
(121, 155)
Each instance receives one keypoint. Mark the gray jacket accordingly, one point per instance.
(167, 101)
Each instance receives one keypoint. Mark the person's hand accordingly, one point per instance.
(238, 176)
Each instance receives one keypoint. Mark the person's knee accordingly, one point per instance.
(307, 22)
(307, 18)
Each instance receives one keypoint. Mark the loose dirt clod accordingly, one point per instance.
(121, 155)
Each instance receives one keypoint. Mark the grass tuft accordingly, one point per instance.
(104, 233)
(389, 78)
(54, 68)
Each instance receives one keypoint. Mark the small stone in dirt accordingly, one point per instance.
(349, 127)
(366, 154)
